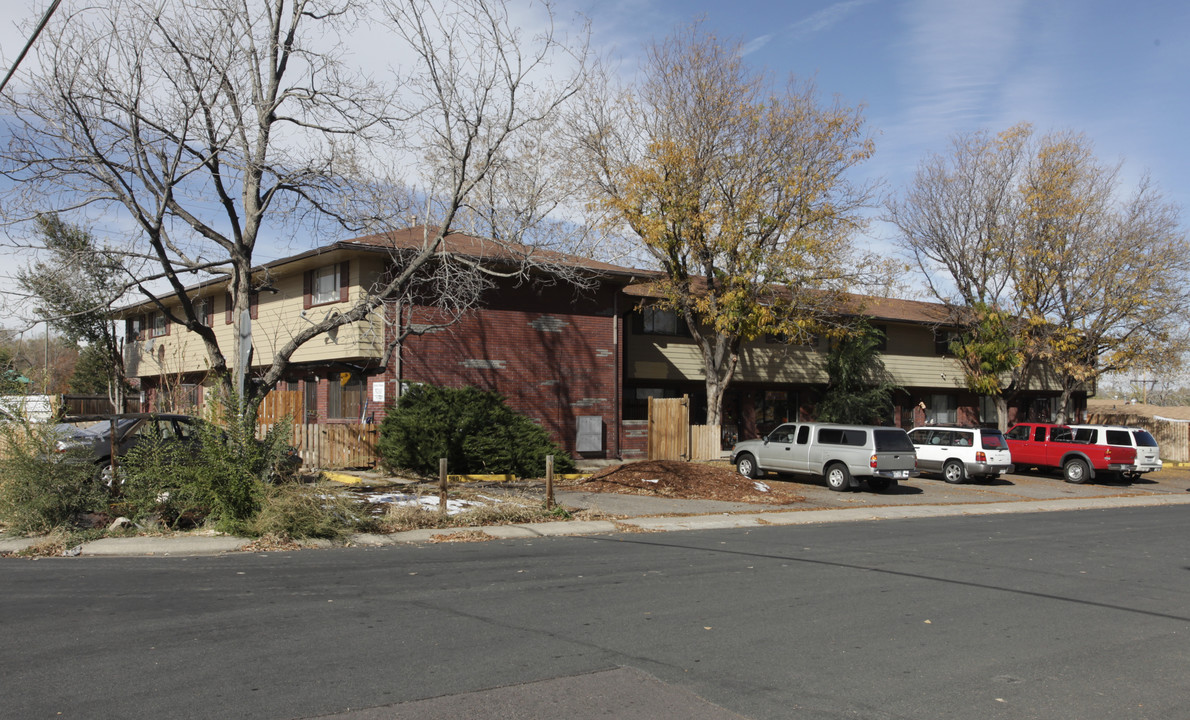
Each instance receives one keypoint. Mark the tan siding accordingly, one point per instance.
(918, 371)
(781, 363)
(279, 318)
(663, 358)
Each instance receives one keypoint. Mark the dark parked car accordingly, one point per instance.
(134, 429)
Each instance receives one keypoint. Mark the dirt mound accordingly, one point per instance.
(685, 481)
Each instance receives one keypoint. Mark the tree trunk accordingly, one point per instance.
(1063, 416)
(1001, 412)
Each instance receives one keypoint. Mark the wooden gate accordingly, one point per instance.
(669, 428)
(334, 445)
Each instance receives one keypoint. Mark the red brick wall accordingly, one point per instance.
(553, 355)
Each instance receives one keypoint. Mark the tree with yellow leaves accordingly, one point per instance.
(1044, 262)
(1109, 275)
(739, 193)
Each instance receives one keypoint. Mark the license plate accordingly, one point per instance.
(902, 474)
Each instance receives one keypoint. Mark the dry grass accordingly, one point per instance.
(507, 510)
(462, 536)
(272, 543)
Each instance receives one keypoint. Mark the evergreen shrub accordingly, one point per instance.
(473, 429)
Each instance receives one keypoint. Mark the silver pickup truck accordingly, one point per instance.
(841, 454)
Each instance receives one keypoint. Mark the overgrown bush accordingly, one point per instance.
(40, 488)
(222, 478)
(473, 429)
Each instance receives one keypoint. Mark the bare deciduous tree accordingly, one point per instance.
(212, 125)
(1031, 239)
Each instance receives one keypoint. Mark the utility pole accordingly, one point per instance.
(1144, 388)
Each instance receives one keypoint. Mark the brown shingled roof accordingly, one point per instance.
(414, 238)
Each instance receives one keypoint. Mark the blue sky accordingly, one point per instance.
(927, 69)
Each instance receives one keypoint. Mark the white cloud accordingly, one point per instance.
(956, 57)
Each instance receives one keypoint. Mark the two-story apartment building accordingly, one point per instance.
(582, 363)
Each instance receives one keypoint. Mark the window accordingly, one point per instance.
(839, 436)
(1020, 432)
(881, 337)
(636, 401)
(942, 409)
(988, 414)
(942, 341)
(1144, 439)
(892, 441)
(158, 325)
(325, 285)
(992, 440)
(202, 311)
(783, 434)
(345, 396)
(1061, 434)
(1118, 437)
(662, 322)
(311, 400)
(133, 327)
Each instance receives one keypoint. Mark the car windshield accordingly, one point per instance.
(892, 441)
(1144, 439)
(992, 440)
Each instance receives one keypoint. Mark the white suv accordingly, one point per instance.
(961, 453)
(1148, 454)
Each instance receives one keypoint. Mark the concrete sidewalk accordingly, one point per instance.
(645, 514)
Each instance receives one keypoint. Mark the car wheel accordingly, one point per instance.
(1075, 471)
(838, 477)
(880, 484)
(954, 472)
(746, 464)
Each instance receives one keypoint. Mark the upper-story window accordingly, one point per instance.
(202, 311)
(134, 326)
(942, 341)
(158, 325)
(326, 284)
(656, 321)
(324, 287)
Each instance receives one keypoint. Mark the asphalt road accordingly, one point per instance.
(1079, 615)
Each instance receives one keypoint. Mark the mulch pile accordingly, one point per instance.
(685, 481)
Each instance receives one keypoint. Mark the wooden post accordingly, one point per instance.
(549, 482)
(113, 462)
(441, 486)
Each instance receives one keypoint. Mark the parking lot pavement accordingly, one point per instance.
(1022, 487)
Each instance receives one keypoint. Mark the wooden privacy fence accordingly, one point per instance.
(672, 437)
(333, 445)
(1171, 435)
(281, 404)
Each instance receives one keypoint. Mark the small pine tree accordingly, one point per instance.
(473, 429)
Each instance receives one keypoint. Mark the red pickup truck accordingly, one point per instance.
(1047, 447)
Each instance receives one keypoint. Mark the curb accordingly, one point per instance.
(218, 545)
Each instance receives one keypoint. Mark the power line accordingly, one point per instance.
(25, 51)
